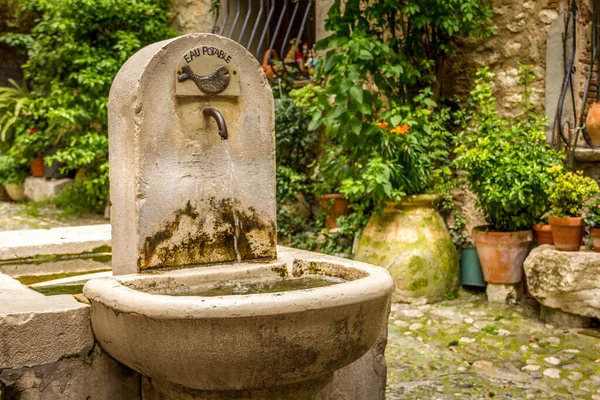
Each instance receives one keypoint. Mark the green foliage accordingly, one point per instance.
(569, 192)
(12, 101)
(592, 218)
(506, 160)
(491, 329)
(459, 235)
(74, 52)
(383, 67)
(11, 171)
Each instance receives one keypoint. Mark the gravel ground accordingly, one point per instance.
(15, 216)
(469, 349)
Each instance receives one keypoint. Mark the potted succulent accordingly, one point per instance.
(506, 163)
(12, 176)
(592, 220)
(470, 267)
(567, 196)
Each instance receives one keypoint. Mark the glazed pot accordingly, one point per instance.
(15, 191)
(410, 239)
(592, 123)
(595, 235)
(335, 209)
(567, 232)
(470, 268)
(37, 167)
(543, 234)
(502, 254)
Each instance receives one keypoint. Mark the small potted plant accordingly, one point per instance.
(543, 233)
(592, 220)
(506, 163)
(567, 196)
(12, 176)
(470, 267)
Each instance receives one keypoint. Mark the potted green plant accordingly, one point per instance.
(592, 220)
(470, 267)
(542, 232)
(12, 176)
(567, 196)
(506, 163)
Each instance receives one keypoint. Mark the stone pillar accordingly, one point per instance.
(181, 194)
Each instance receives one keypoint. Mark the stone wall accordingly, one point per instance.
(521, 30)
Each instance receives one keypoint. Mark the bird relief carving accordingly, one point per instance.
(207, 71)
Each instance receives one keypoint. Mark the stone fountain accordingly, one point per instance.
(201, 303)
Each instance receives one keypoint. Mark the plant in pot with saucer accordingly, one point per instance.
(592, 220)
(12, 176)
(506, 163)
(567, 196)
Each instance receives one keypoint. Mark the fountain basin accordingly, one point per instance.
(241, 342)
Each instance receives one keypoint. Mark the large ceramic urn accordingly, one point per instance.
(410, 239)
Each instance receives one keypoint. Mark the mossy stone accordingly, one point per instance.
(411, 240)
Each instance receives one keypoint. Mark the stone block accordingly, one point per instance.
(510, 293)
(41, 189)
(94, 376)
(568, 281)
(48, 243)
(35, 329)
(562, 319)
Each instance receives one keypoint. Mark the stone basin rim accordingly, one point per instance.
(114, 294)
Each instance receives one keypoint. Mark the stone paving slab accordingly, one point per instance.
(53, 242)
(470, 349)
(35, 329)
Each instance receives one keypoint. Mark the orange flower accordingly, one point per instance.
(400, 129)
(382, 125)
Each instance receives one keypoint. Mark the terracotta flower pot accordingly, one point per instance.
(595, 234)
(37, 167)
(543, 234)
(592, 123)
(502, 254)
(567, 232)
(337, 209)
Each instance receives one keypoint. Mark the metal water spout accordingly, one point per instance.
(216, 114)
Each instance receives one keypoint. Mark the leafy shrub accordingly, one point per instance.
(11, 171)
(382, 70)
(569, 192)
(74, 52)
(506, 160)
(592, 218)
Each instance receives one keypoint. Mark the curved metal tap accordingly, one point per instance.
(213, 112)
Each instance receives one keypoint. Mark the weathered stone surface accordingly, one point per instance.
(35, 329)
(41, 189)
(364, 379)
(568, 281)
(411, 241)
(36, 243)
(180, 195)
(498, 293)
(562, 319)
(94, 376)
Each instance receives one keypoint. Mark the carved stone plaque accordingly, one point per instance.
(203, 71)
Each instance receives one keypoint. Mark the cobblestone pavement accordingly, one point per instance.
(469, 349)
(14, 216)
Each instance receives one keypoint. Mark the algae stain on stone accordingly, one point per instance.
(211, 240)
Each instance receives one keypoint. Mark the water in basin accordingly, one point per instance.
(281, 285)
